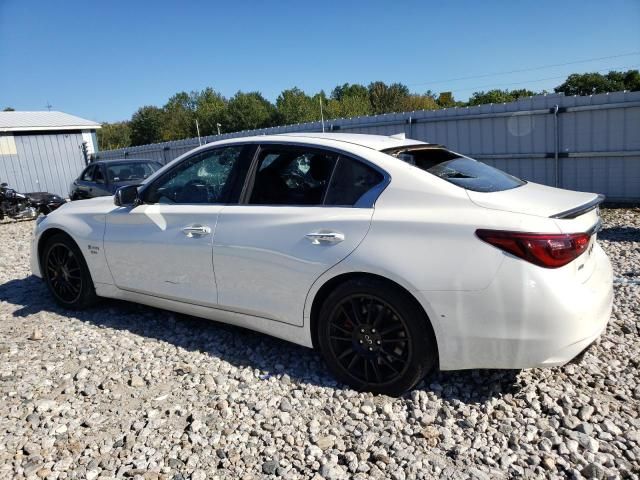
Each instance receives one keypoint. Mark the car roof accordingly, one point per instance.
(333, 139)
(124, 160)
(375, 142)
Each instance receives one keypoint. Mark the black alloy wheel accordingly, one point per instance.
(63, 271)
(66, 273)
(374, 337)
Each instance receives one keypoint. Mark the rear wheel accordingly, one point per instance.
(67, 274)
(375, 337)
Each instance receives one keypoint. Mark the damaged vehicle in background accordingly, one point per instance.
(390, 256)
(103, 178)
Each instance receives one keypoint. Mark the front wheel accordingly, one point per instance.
(374, 336)
(67, 274)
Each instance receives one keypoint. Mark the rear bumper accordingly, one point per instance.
(528, 317)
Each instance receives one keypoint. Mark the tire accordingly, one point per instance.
(392, 343)
(66, 273)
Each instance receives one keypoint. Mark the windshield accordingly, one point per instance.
(456, 169)
(125, 172)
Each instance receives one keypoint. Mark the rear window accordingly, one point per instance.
(461, 171)
(124, 172)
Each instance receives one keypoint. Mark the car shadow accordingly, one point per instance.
(241, 347)
(619, 234)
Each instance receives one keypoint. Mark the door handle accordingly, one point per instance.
(196, 230)
(317, 238)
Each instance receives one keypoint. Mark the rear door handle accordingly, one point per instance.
(317, 238)
(196, 230)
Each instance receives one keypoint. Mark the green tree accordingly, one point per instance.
(114, 135)
(446, 100)
(146, 125)
(387, 98)
(247, 111)
(295, 106)
(591, 83)
(9, 109)
(498, 96)
(180, 117)
(211, 110)
(349, 101)
(420, 102)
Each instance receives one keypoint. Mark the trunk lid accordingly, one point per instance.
(539, 200)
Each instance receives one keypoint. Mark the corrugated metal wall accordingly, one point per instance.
(597, 139)
(42, 162)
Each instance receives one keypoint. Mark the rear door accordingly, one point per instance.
(304, 211)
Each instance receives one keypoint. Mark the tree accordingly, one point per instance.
(114, 135)
(498, 96)
(387, 98)
(211, 110)
(420, 102)
(247, 111)
(295, 106)
(180, 117)
(146, 125)
(591, 83)
(349, 101)
(9, 109)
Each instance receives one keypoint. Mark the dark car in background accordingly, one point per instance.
(103, 178)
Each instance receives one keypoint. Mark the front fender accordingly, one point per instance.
(87, 230)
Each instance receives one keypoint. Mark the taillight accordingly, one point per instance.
(546, 250)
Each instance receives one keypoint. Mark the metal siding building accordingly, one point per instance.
(42, 151)
(588, 143)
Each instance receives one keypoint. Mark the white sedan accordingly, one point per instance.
(391, 256)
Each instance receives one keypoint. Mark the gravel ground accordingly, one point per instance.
(129, 391)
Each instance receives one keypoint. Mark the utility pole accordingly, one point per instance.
(321, 114)
(198, 130)
(218, 125)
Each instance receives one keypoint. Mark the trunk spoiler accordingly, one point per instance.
(577, 211)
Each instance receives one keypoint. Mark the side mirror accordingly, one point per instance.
(127, 196)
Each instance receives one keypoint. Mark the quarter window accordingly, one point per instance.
(292, 176)
(204, 178)
(351, 181)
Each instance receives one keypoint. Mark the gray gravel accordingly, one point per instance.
(129, 391)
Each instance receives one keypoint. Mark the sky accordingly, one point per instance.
(102, 60)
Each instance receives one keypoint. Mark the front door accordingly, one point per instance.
(164, 246)
(299, 220)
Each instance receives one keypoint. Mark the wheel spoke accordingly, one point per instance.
(395, 340)
(340, 339)
(393, 354)
(390, 329)
(376, 370)
(354, 308)
(353, 361)
(342, 329)
(348, 351)
(388, 364)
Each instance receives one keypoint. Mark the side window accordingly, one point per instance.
(204, 178)
(351, 181)
(87, 175)
(292, 176)
(99, 176)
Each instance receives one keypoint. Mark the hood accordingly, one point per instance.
(97, 205)
(539, 200)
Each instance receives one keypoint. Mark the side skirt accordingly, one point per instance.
(284, 331)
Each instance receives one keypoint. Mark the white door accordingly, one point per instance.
(164, 246)
(298, 221)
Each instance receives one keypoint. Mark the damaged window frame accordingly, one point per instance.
(494, 180)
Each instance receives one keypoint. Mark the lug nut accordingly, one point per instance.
(373, 330)
(371, 349)
(361, 341)
(378, 342)
(362, 330)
